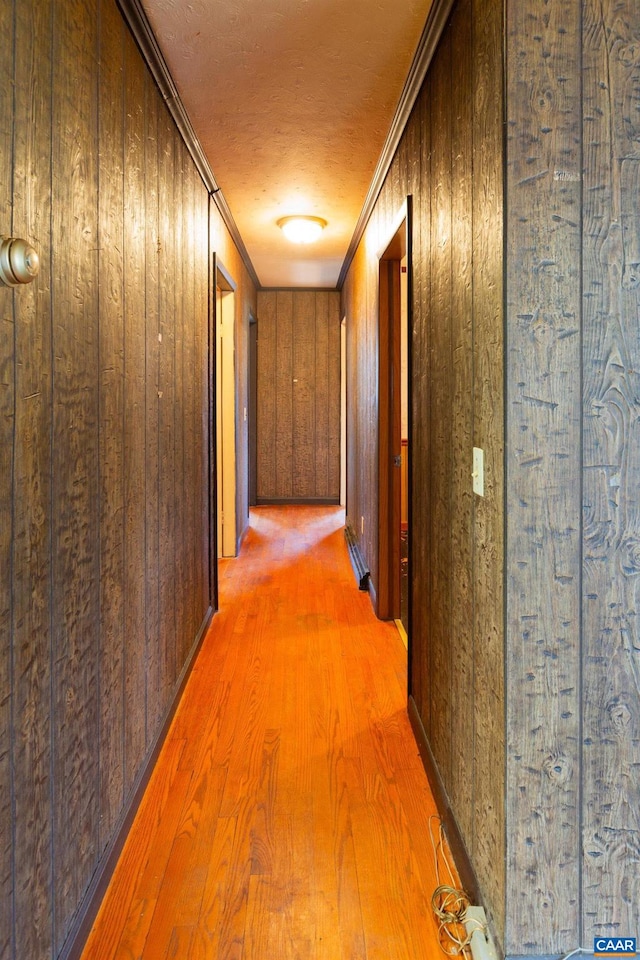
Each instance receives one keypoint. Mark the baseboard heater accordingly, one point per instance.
(360, 568)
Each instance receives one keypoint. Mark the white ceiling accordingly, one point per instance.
(291, 101)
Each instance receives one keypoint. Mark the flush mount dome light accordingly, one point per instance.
(302, 229)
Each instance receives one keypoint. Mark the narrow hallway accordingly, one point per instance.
(288, 814)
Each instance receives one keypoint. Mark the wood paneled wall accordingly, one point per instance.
(298, 396)
(104, 481)
(524, 602)
(573, 302)
(455, 131)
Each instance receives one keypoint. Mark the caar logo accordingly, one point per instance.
(614, 946)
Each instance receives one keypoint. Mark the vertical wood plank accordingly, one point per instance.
(334, 322)
(461, 789)
(543, 497)
(152, 410)
(419, 440)
(303, 415)
(179, 571)
(32, 493)
(489, 752)
(321, 390)
(134, 415)
(284, 394)
(266, 431)
(75, 528)
(7, 433)
(190, 386)
(611, 506)
(202, 413)
(440, 408)
(111, 381)
(166, 308)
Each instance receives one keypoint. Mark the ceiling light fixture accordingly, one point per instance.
(301, 228)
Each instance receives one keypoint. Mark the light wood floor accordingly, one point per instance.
(287, 817)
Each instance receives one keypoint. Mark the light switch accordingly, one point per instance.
(478, 471)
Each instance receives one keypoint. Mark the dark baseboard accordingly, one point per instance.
(88, 910)
(360, 568)
(458, 850)
(298, 501)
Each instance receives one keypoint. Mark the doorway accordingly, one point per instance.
(394, 300)
(226, 392)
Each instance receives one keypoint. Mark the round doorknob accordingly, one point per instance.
(19, 262)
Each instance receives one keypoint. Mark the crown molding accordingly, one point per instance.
(427, 45)
(138, 23)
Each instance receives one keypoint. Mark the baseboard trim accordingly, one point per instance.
(88, 910)
(295, 501)
(360, 568)
(458, 850)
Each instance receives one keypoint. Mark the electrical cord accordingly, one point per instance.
(449, 903)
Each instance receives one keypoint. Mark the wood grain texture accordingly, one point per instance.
(75, 522)
(457, 401)
(543, 437)
(154, 682)
(82, 494)
(166, 396)
(321, 381)
(438, 358)
(111, 379)
(488, 533)
(304, 393)
(266, 429)
(134, 422)
(462, 575)
(7, 421)
(611, 692)
(31, 633)
(284, 395)
(298, 395)
(283, 786)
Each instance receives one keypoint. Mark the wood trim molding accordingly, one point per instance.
(458, 850)
(138, 23)
(427, 45)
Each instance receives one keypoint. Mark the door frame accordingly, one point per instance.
(224, 282)
(397, 245)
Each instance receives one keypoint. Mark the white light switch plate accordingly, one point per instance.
(478, 471)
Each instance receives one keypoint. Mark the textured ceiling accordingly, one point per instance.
(292, 102)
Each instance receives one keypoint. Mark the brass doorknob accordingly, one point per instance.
(19, 262)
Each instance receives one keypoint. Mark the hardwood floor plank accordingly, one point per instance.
(288, 816)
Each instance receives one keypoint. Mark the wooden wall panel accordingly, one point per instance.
(611, 506)
(32, 492)
(455, 130)
(488, 434)
(543, 496)
(284, 395)
(134, 437)
(7, 420)
(167, 398)
(111, 399)
(322, 394)
(267, 352)
(298, 395)
(462, 574)
(333, 398)
(304, 395)
(154, 677)
(91, 438)
(439, 321)
(75, 526)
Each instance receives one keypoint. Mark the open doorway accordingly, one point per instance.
(226, 392)
(394, 424)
